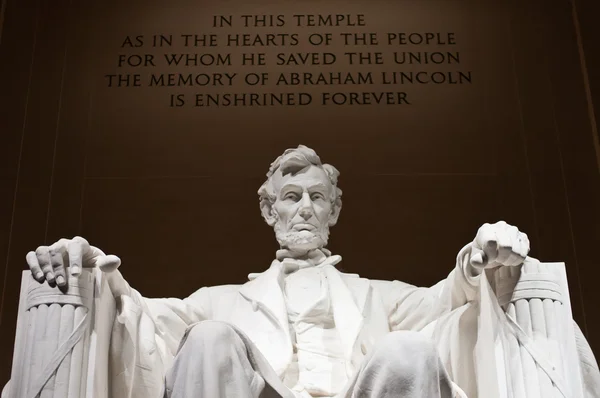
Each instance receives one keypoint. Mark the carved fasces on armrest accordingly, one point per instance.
(539, 354)
(61, 346)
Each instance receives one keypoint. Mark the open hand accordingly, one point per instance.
(49, 263)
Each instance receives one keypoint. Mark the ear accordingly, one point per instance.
(268, 213)
(335, 214)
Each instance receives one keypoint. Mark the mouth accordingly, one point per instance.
(303, 227)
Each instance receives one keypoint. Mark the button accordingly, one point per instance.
(363, 348)
(309, 366)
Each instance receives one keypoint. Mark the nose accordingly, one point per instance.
(306, 210)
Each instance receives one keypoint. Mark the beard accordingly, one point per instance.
(301, 240)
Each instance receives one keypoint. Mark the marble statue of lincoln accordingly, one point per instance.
(301, 328)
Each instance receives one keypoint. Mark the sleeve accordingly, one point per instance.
(413, 308)
(145, 338)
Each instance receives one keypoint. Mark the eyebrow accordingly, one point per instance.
(316, 185)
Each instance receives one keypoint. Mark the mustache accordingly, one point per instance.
(303, 226)
(312, 221)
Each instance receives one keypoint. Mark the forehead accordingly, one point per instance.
(313, 176)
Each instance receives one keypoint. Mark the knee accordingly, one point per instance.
(210, 334)
(407, 341)
(403, 351)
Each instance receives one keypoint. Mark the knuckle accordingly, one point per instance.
(41, 250)
(79, 239)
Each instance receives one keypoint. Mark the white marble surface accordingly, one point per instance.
(483, 350)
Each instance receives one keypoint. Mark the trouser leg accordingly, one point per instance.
(402, 365)
(214, 361)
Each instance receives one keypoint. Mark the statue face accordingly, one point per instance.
(303, 209)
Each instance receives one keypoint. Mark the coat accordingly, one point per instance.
(147, 332)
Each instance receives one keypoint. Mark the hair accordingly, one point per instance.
(294, 161)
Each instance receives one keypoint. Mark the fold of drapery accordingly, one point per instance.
(474, 340)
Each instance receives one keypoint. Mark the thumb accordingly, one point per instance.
(478, 257)
(108, 263)
(109, 266)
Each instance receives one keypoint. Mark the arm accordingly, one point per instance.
(145, 333)
(169, 317)
(412, 308)
(146, 336)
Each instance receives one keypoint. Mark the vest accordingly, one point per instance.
(318, 365)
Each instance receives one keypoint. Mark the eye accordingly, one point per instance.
(317, 196)
(292, 196)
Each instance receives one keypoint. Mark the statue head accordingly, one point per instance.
(300, 199)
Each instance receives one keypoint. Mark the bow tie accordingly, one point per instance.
(313, 258)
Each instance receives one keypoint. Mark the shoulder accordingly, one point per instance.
(394, 284)
(214, 292)
(356, 279)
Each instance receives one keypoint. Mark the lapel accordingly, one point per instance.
(264, 293)
(348, 295)
(348, 303)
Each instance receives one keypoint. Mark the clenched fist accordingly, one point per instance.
(49, 263)
(499, 244)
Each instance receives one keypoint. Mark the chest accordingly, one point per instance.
(307, 294)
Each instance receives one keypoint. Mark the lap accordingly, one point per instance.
(404, 362)
(212, 333)
(396, 359)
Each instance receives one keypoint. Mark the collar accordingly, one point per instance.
(287, 263)
(292, 262)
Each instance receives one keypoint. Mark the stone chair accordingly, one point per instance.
(70, 358)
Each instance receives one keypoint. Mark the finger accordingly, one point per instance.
(514, 260)
(491, 250)
(34, 266)
(43, 258)
(77, 249)
(92, 256)
(478, 258)
(525, 245)
(487, 240)
(57, 252)
(515, 257)
(108, 263)
(483, 233)
(505, 246)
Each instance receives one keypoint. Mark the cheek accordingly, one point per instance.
(323, 212)
(283, 210)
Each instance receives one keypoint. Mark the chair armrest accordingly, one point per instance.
(539, 357)
(62, 338)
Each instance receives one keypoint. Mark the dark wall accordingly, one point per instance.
(172, 191)
(585, 19)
